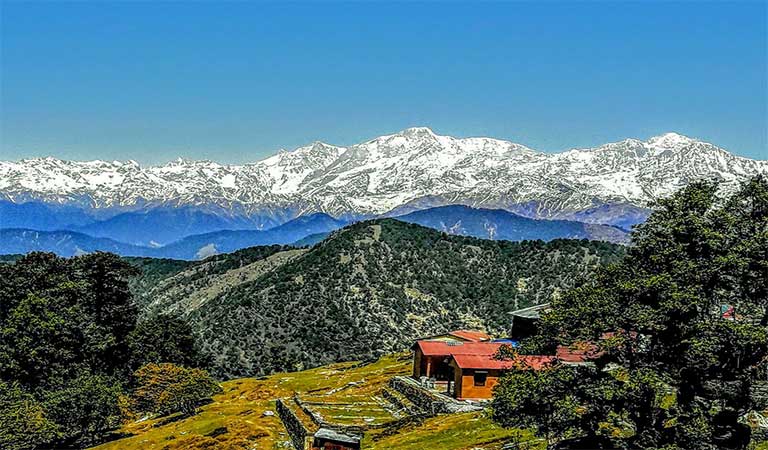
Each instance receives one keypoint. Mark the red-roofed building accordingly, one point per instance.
(577, 353)
(584, 352)
(432, 359)
(466, 370)
(476, 375)
(461, 335)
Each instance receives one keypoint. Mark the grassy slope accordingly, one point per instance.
(235, 420)
(188, 289)
(451, 432)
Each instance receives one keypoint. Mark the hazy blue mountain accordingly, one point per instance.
(162, 226)
(63, 243)
(199, 246)
(204, 245)
(499, 224)
(42, 216)
(623, 215)
(145, 231)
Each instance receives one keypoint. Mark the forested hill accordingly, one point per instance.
(369, 289)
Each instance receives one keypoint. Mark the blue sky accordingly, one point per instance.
(234, 82)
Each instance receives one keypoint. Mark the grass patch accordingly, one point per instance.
(345, 393)
(449, 432)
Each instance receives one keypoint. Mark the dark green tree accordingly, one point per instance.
(68, 339)
(24, 423)
(164, 339)
(39, 342)
(109, 309)
(676, 372)
(84, 408)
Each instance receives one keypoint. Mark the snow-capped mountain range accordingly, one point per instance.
(393, 174)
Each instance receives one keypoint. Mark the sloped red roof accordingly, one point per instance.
(471, 335)
(577, 353)
(584, 351)
(443, 348)
(521, 362)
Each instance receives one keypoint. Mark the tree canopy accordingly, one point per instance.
(687, 313)
(69, 342)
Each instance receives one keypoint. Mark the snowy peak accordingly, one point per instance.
(417, 133)
(420, 132)
(670, 141)
(412, 167)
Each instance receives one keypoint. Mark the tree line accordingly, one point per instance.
(75, 359)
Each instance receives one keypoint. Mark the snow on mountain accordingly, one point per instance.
(412, 169)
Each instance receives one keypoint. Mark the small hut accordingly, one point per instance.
(328, 439)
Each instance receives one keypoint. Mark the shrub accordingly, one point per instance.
(167, 388)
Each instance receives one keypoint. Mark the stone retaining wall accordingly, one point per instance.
(319, 421)
(430, 403)
(322, 423)
(296, 430)
(399, 404)
(759, 394)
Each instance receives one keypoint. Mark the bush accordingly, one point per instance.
(167, 388)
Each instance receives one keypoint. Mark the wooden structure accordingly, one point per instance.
(431, 355)
(476, 375)
(465, 369)
(432, 359)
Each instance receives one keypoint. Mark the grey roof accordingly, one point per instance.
(531, 312)
(327, 433)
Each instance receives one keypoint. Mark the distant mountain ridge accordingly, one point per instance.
(63, 243)
(72, 243)
(497, 224)
(305, 231)
(226, 241)
(162, 226)
(412, 169)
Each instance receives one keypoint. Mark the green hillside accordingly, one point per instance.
(367, 290)
(177, 287)
(241, 417)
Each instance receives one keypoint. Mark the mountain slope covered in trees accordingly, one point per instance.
(179, 287)
(367, 290)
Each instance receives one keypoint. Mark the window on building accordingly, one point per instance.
(480, 377)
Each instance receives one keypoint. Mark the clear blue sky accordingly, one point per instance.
(234, 82)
